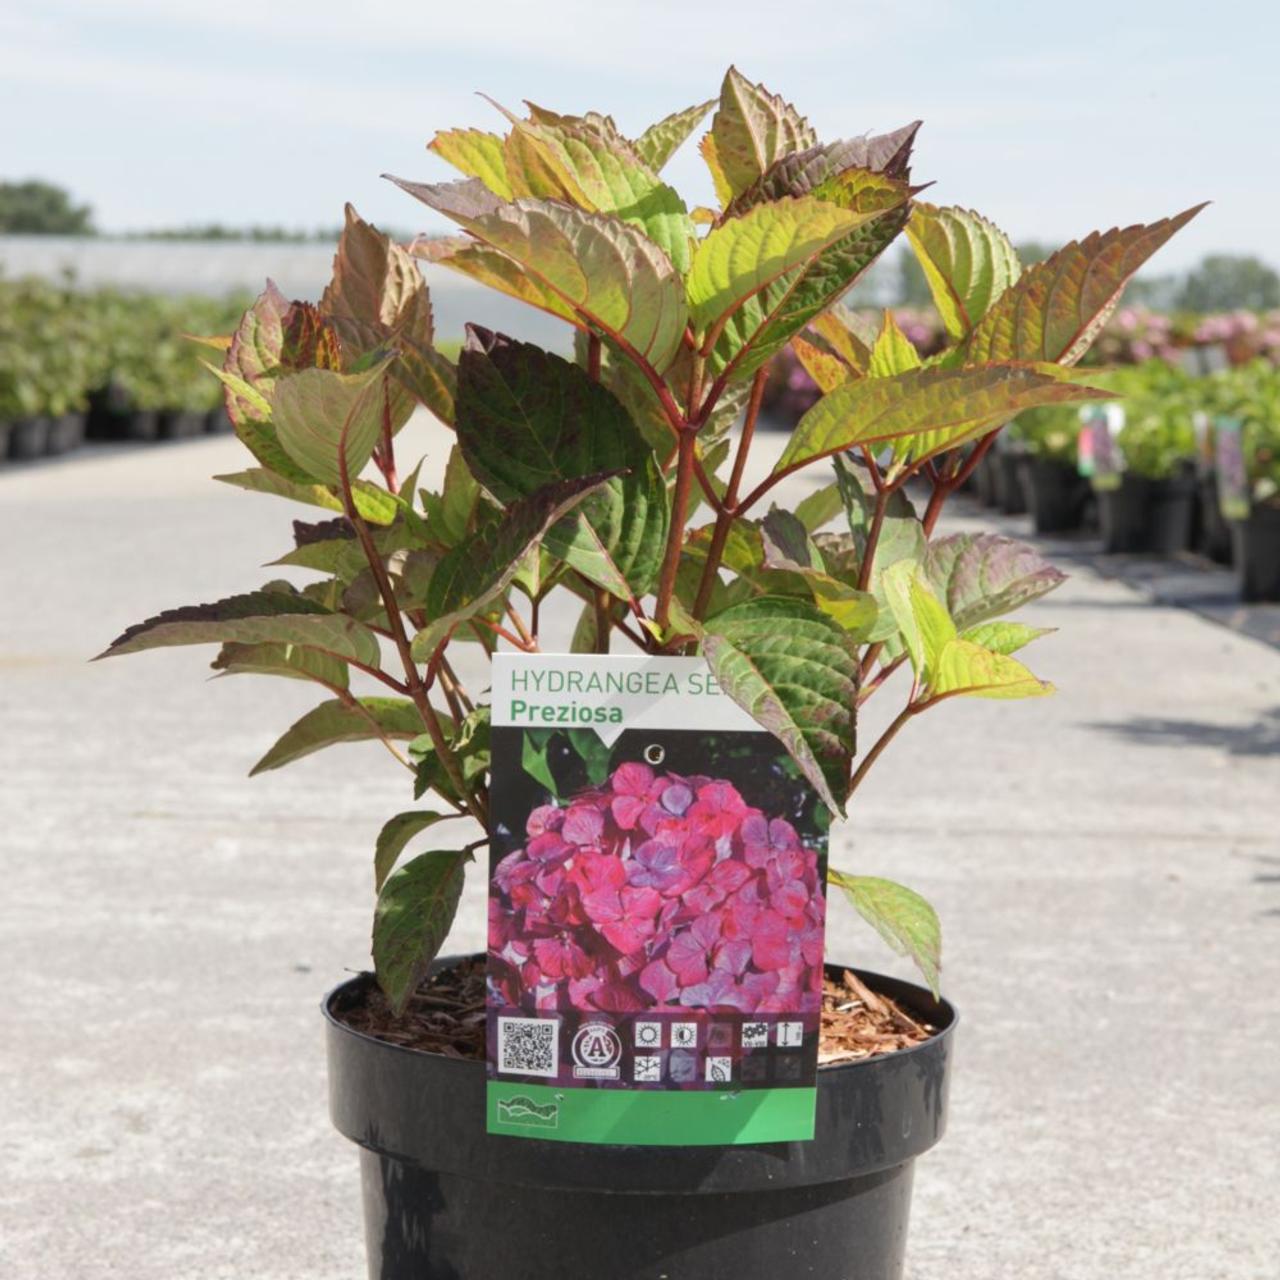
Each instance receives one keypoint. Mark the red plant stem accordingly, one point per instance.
(728, 509)
(883, 741)
(416, 689)
(873, 539)
(593, 356)
(686, 457)
(883, 675)
(604, 620)
(447, 671)
(527, 640)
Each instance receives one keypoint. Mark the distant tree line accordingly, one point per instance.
(1221, 282)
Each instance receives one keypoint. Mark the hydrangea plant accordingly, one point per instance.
(616, 479)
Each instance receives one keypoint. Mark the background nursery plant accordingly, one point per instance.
(616, 477)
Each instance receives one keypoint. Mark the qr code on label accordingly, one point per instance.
(529, 1046)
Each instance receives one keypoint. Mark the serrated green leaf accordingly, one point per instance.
(414, 914)
(602, 273)
(1056, 308)
(794, 672)
(481, 568)
(319, 414)
(248, 371)
(937, 408)
(743, 256)
(900, 916)
(801, 172)
(967, 669)
(257, 617)
(967, 261)
(607, 175)
(527, 418)
(340, 721)
(375, 504)
(750, 130)
(478, 155)
(1005, 637)
(289, 660)
(848, 334)
(822, 364)
(923, 621)
(820, 507)
(659, 142)
(893, 353)
(981, 576)
(618, 537)
(901, 536)
(395, 835)
(451, 512)
(768, 321)
(787, 548)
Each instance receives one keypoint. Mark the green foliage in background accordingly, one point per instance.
(58, 344)
(40, 208)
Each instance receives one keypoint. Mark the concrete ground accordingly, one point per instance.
(1106, 863)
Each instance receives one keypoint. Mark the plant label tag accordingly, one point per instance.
(656, 910)
(1097, 449)
(1229, 464)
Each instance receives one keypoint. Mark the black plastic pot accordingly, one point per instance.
(29, 439)
(1171, 513)
(1054, 491)
(1257, 553)
(1148, 515)
(1215, 530)
(984, 481)
(217, 421)
(179, 424)
(141, 424)
(5, 428)
(66, 432)
(110, 413)
(444, 1200)
(1008, 486)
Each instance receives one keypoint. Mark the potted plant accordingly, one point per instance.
(42, 368)
(1055, 492)
(1247, 471)
(614, 482)
(1150, 505)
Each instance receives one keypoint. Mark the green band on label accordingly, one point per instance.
(659, 1118)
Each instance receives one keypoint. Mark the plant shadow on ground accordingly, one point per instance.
(1260, 738)
(1269, 878)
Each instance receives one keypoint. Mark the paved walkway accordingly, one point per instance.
(1107, 864)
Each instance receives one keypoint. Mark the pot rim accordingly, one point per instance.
(869, 976)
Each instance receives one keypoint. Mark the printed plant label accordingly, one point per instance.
(656, 910)
(1097, 446)
(1229, 463)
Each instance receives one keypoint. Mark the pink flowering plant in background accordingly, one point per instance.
(656, 890)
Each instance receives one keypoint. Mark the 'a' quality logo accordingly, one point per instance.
(597, 1052)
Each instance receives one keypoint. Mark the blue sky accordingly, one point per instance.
(1051, 119)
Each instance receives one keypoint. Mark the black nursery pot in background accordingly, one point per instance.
(1008, 487)
(444, 1199)
(984, 481)
(66, 433)
(180, 424)
(29, 439)
(1257, 553)
(1215, 530)
(1148, 515)
(1054, 491)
